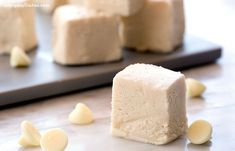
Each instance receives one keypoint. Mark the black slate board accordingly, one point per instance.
(45, 78)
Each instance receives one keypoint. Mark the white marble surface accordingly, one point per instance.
(216, 107)
(213, 19)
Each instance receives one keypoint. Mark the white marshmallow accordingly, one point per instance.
(81, 36)
(17, 27)
(117, 7)
(158, 27)
(148, 104)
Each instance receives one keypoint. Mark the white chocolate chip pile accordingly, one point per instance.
(19, 58)
(81, 115)
(199, 132)
(30, 135)
(54, 140)
(194, 88)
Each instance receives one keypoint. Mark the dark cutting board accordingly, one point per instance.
(45, 78)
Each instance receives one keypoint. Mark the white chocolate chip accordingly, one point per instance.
(30, 135)
(24, 142)
(81, 115)
(194, 87)
(54, 140)
(19, 58)
(199, 132)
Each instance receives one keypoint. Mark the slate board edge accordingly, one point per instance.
(56, 88)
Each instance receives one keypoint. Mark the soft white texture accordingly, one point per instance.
(148, 104)
(117, 7)
(17, 28)
(158, 27)
(82, 36)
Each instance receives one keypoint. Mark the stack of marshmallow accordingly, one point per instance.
(96, 31)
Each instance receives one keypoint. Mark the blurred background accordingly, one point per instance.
(213, 20)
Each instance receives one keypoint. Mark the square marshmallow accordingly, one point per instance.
(117, 7)
(81, 36)
(17, 27)
(148, 104)
(158, 27)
